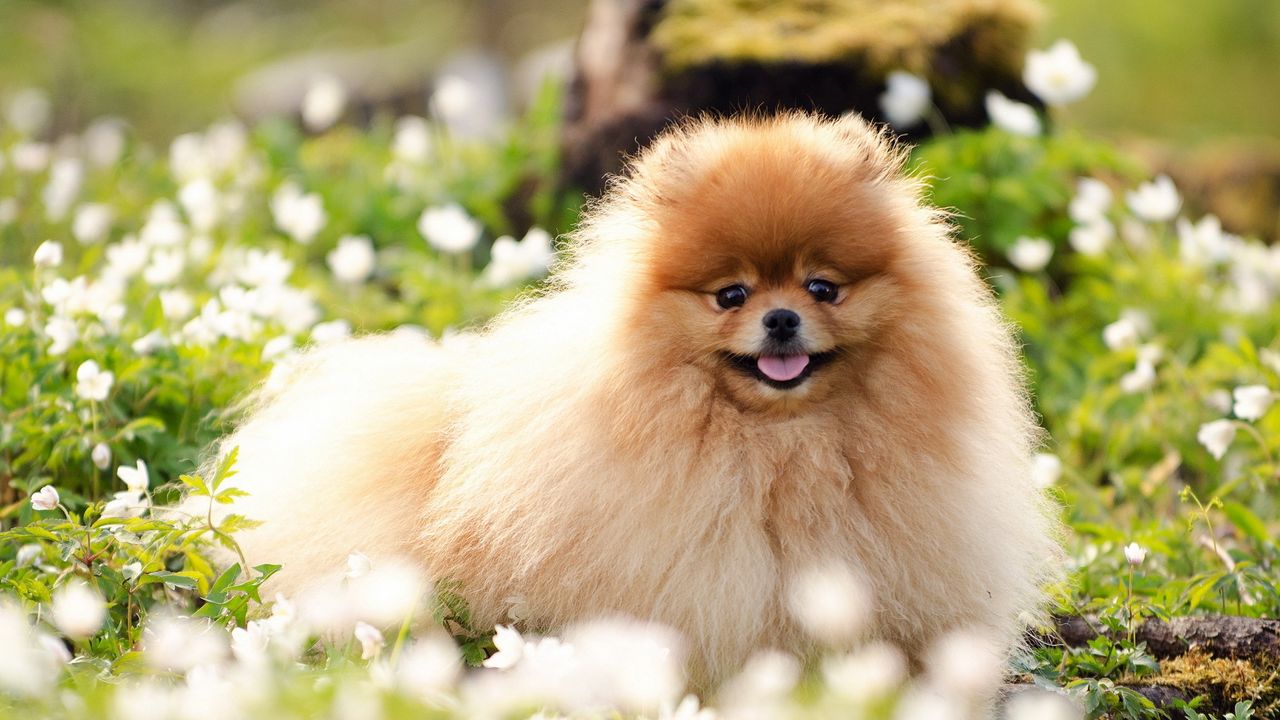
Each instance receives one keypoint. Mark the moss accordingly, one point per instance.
(1226, 680)
(885, 36)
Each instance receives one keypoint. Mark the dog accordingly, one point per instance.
(761, 351)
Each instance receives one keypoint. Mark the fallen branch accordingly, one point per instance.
(1223, 636)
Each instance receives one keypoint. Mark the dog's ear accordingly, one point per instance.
(874, 148)
(667, 164)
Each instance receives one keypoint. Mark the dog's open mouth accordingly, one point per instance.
(781, 371)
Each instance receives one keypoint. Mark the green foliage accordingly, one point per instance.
(1003, 186)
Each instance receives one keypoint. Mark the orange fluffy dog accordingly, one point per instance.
(762, 353)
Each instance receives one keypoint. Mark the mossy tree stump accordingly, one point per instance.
(642, 64)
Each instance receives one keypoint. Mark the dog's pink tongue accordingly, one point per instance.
(782, 367)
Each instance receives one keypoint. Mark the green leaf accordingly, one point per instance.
(1247, 522)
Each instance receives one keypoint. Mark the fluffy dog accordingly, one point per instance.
(762, 352)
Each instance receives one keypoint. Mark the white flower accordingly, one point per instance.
(202, 203)
(1155, 201)
(1135, 554)
(327, 333)
(510, 648)
(429, 667)
(1058, 75)
(78, 610)
(176, 304)
(28, 110)
(62, 333)
(104, 141)
(93, 383)
(905, 99)
(101, 456)
(1092, 238)
(135, 478)
(301, 216)
(276, 346)
(65, 180)
(1012, 116)
(371, 640)
(126, 258)
(352, 260)
(1252, 401)
(1121, 334)
(1041, 705)
(48, 254)
(323, 103)
(125, 505)
(1091, 201)
(511, 261)
(91, 223)
(264, 268)
(965, 664)
(358, 565)
(28, 554)
(249, 643)
(28, 666)
(1046, 468)
(1216, 436)
(871, 673)
(634, 667)
(449, 229)
(30, 157)
(1204, 241)
(13, 317)
(46, 498)
(180, 644)
(149, 343)
(412, 141)
(1030, 254)
(1140, 379)
(830, 602)
(388, 593)
(164, 227)
(165, 268)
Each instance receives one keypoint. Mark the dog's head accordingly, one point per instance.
(770, 251)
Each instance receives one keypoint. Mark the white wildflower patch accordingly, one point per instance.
(906, 99)
(1155, 201)
(831, 603)
(1251, 402)
(1030, 254)
(353, 260)
(1091, 201)
(300, 215)
(92, 223)
(512, 262)
(1046, 468)
(1135, 554)
(1059, 75)
(46, 498)
(324, 102)
(449, 229)
(92, 382)
(1012, 116)
(1216, 437)
(78, 610)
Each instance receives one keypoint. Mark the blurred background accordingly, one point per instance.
(1190, 73)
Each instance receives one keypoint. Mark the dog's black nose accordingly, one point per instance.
(781, 323)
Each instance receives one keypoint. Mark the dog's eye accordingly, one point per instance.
(731, 297)
(823, 290)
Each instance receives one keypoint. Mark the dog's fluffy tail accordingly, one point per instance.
(339, 456)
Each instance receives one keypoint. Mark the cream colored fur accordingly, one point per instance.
(570, 454)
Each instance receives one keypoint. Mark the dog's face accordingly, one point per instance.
(772, 267)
